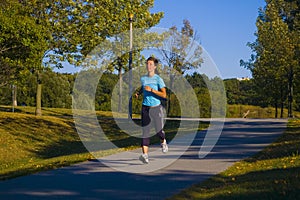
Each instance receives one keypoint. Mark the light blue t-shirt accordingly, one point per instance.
(156, 83)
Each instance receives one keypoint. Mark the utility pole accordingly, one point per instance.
(130, 67)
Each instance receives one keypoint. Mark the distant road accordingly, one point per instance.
(240, 138)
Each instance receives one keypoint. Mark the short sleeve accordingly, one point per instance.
(161, 83)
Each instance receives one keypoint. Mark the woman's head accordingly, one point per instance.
(152, 64)
(153, 59)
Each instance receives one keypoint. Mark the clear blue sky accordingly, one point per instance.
(224, 27)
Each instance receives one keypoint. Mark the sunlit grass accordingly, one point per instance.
(250, 111)
(29, 143)
(274, 173)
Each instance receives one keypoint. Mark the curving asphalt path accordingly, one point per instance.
(240, 138)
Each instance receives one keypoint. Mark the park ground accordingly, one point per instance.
(271, 174)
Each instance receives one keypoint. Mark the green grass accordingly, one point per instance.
(29, 144)
(274, 173)
(237, 111)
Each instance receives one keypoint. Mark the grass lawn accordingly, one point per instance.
(274, 173)
(29, 144)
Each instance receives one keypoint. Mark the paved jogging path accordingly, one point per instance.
(240, 138)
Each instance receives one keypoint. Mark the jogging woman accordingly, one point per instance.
(154, 89)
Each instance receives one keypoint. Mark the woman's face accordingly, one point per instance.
(150, 66)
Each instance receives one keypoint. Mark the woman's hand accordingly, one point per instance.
(147, 88)
(161, 93)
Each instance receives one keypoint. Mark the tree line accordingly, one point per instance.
(58, 87)
(37, 36)
(58, 90)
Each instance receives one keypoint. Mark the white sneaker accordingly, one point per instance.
(164, 147)
(144, 158)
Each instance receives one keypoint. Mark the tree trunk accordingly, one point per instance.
(14, 96)
(281, 109)
(169, 95)
(290, 93)
(276, 110)
(120, 89)
(38, 110)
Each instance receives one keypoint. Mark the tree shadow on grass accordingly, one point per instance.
(9, 109)
(287, 145)
(260, 185)
(69, 146)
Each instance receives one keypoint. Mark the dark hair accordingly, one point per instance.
(155, 60)
(151, 58)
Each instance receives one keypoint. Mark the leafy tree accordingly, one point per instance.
(196, 80)
(56, 92)
(241, 92)
(232, 90)
(20, 42)
(272, 65)
(291, 15)
(181, 51)
(74, 27)
(104, 91)
(78, 26)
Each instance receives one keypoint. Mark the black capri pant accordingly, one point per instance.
(152, 116)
